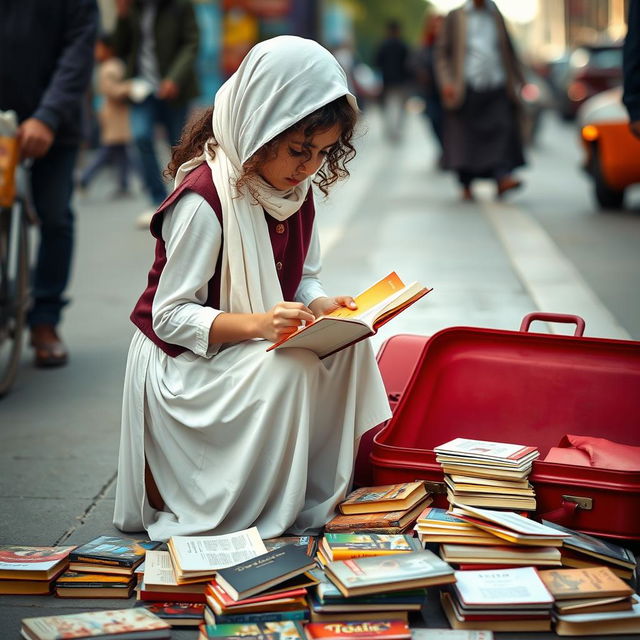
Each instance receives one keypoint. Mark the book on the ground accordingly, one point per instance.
(342, 327)
(192, 592)
(450, 634)
(119, 624)
(391, 629)
(264, 571)
(514, 555)
(489, 589)
(158, 569)
(584, 583)
(221, 603)
(458, 621)
(340, 546)
(32, 563)
(598, 624)
(277, 630)
(595, 605)
(177, 614)
(593, 547)
(210, 617)
(441, 518)
(389, 573)
(75, 584)
(384, 498)
(110, 554)
(381, 522)
(198, 558)
(308, 543)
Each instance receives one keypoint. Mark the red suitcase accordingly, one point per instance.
(525, 388)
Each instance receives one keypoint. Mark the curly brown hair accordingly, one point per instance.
(199, 130)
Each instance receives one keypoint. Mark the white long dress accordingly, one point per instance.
(235, 436)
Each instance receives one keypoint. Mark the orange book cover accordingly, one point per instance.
(343, 327)
(358, 630)
(590, 582)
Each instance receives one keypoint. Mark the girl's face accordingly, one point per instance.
(290, 165)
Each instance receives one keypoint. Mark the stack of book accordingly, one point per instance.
(440, 526)
(580, 550)
(328, 604)
(488, 474)
(159, 584)
(386, 574)
(31, 570)
(519, 541)
(268, 587)
(504, 600)
(593, 590)
(599, 624)
(103, 568)
(384, 509)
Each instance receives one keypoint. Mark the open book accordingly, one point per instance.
(342, 327)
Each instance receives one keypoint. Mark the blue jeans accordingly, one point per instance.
(144, 117)
(52, 188)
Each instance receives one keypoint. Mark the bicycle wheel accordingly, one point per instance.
(14, 290)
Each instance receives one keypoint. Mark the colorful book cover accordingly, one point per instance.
(383, 493)
(381, 522)
(485, 449)
(18, 561)
(389, 571)
(276, 630)
(434, 514)
(266, 616)
(113, 551)
(358, 630)
(77, 579)
(339, 546)
(93, 623)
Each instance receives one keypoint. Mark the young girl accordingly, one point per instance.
(217, 434)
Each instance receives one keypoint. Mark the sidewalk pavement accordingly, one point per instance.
(61, 428)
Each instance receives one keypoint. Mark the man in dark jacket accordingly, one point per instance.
(46, 49)
(158, 40)
(631, 68)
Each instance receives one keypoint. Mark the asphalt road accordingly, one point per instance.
(490, 263)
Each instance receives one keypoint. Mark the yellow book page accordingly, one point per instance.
(371, 297)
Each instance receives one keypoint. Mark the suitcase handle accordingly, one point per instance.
(562, 515)
(553, 317)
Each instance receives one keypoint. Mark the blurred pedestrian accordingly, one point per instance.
(233, 436)
(631, 67)
(392, 59)
(46, 49)
(426, 81)
(479, 76)
(113, 117)
(158, 40)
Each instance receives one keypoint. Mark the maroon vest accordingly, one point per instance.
(290, 241)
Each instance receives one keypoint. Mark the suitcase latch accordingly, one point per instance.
(583, 503)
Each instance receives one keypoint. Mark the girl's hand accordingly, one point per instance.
(323, 306)
(283, 319)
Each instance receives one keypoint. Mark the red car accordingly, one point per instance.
(591, 70)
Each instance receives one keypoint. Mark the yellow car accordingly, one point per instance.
(612, 152)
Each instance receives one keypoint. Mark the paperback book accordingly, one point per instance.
(584, 583)
(32, 563)
(110, 554)
(265, 571)
(379, 630)
(75, 584)
(177, 614)
(120, 624)
(384, 498)
(389, 573)
(342, 327)
(340, 546)
(277, 630)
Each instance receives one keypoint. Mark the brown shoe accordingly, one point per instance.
(507, 184)
(50, 351)
(467, 195)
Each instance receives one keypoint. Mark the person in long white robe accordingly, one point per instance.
(235, 436)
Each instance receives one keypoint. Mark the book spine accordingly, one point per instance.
(345, 554)
(267, 616)
(105, 561)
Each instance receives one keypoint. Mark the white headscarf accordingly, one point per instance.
(279, 82)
